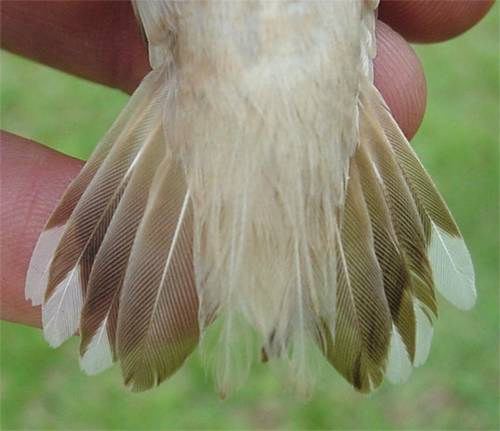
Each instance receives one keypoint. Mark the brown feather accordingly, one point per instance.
(359, 348)
(157, 318)
(108, 270)
(405, 217)
(94, 210)
(420, 183)
(396, 277)
(73, 258)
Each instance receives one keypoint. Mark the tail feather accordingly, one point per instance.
(38, 272)
(157, 317)
(415, 239)
(392, 211)
(361, 342)
(121, 265)
(408, 226)
(396, 276)
(399, 363)
(100, 311)
(404, 213)
(72, 261)
(66, 290)
(450, 260)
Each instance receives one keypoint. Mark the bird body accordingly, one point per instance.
(256, 182)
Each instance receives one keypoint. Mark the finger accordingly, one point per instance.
(97, 40)
(432, 21)
(32, 179)
(400, 78)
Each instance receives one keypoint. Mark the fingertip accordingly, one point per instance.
(432, 21)
(400, 78)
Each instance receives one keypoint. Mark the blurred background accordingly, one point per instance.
(458, 386)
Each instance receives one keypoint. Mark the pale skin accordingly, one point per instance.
(99, 41)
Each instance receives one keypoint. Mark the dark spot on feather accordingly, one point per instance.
(356, 375)
(263, 355)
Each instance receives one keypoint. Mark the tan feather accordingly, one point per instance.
(37, 277)
(450, 260)
(360, 346)
(396, 276)
(157, 317)
(404, 213)
(100, 311)
(408, 227)
(84, 231)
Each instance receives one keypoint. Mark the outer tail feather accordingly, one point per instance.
(399, 363)
(87, 266)
(85, 229)
(37, 277)
(66, 291)
(450, 260)
(100, 311)
(406, 214)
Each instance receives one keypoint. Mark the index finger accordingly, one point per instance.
(96, 40)
(100, 40)
(432, 21)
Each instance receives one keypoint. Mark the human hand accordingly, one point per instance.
(99, 40)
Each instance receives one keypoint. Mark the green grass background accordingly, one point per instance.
(456, 389)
